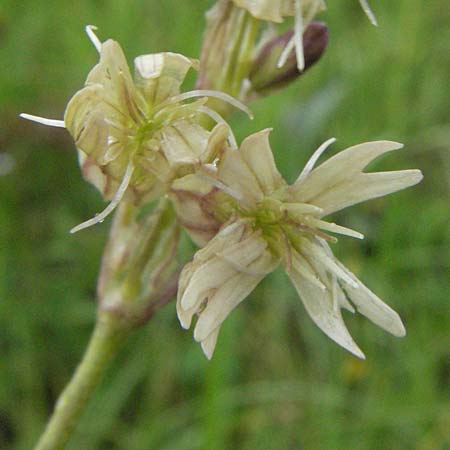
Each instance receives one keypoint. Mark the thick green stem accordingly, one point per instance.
(109, 333)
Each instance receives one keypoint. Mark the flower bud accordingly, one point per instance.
(228, 46)
(266, 76)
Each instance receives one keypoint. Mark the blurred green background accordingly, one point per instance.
(276, 382)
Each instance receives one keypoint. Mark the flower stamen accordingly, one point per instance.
(219, 185)
(333, 227)
(219, 119)
(298, 34)
(213, 94)
(114, 202)
(93, 37)
(369, 13)
(44, 121)
(285, 53)
(312, 161)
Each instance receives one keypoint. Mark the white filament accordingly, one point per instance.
(219, 119)
(214, 94)
(93, 37)
(114, 202)
(219, 185)
(333, 227)
(312, 161)
(44, 121)
(298, 34)
(365, 6)
(285, 53)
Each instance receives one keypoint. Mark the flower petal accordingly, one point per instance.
(207, 271)
(372, 307)
(270, 10)
(236, 174)
(219, 306)
(209, 343)
(340, 182)
(256, 152)
(221, 276)
(85, 120)
(319, 305)
(160, 75)
(229, 295)
(113, 73)
(210, 275)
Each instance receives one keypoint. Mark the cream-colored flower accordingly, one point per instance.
(222, 275)
(135, 135)
(267, 222)
(303, 12)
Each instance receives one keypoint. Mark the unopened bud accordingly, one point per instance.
(266, 76)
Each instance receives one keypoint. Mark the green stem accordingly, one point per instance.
(109, 333)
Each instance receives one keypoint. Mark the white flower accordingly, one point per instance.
(269, 222)
(135, 135)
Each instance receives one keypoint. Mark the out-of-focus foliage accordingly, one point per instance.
(276, 382)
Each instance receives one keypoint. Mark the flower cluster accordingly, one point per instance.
(138, 139)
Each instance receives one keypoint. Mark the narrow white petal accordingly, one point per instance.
(257, 153)
(340, 182)
(43, 120)
(319, 305)
(209, 343)
(342, 299)
(244, 252)
(343, 302)
(114, 202)
(329, 261)
(185, 316)
(210, 275)
(227, 236)
(220, 305)
(372, 307)
(93, 37)
(302, 266)
(235, 172)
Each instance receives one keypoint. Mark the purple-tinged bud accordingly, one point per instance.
(266, 76)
